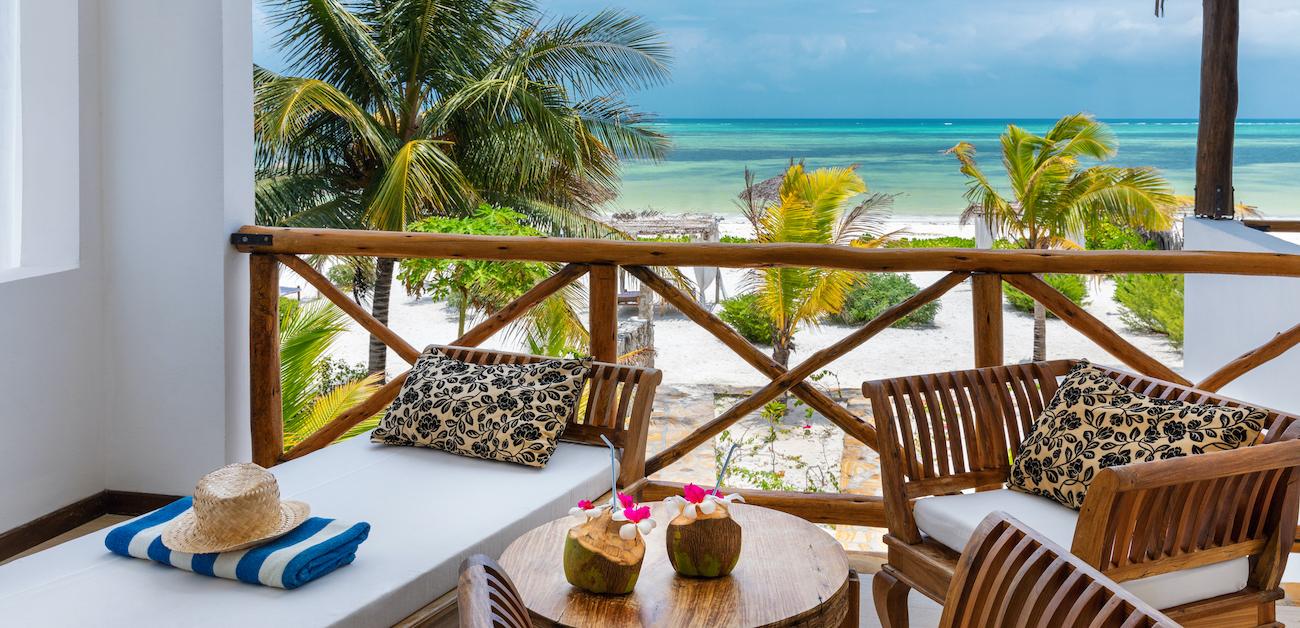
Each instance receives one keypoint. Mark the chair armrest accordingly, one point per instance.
(1155, 517)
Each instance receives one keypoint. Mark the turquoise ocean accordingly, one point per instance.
(705, 169)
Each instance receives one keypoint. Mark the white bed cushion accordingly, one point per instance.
(428, 510)
(952, 519)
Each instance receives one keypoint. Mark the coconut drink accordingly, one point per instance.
(703, 539)
(603, 554)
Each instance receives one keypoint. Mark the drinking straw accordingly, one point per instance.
(726, 462)
(613, 473)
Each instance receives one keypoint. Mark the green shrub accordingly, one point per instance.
(1075, 287)
(743, 313)
(946, 242)
(1112, 237)
(342, 275)
(876, 292)
(1152, 303)
(729, 239)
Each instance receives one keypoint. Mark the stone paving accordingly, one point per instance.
(800, 451)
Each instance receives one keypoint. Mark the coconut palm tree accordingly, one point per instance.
(392, 110)
(308, 401)
(816, 207)
(1055, 199)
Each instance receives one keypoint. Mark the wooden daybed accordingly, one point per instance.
(1204, 538)
(428, 511)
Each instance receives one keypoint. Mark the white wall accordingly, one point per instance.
(128, 369)
(177, 179)
(1229, 315)
(51, 331)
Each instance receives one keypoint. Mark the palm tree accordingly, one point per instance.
(1054, 199)
(308, 401)
(397, 109)
(814, 207)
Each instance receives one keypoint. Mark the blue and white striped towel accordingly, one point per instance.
(309, 551)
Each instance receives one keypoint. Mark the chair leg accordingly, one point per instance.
(852, 617)
(890, 596)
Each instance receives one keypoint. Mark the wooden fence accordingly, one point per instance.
(601, 259)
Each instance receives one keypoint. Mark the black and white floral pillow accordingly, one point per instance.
(508, 412)
(1093, 422)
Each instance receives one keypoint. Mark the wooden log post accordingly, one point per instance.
(986, 306)
(1218, 115)
(602, 312)
(819, 401)
(1093, 329)
(1250, 360)
(266, 419)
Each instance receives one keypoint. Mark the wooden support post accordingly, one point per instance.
(802, 371)
(1214, 135)
(1095, 330)
(351, 308)
(1250, 360)
(266, 421)
(986, 305)
(820, 402)
(602, 307)
(520, 306)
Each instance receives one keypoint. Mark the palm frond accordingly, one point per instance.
(287, 106)
(332, 40)
(419, 180)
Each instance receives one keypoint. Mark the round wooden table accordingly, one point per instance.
(790, 572)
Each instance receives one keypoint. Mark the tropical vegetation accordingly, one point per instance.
(1152, 303)
(487, 286)
(822, 206)
(872, 294)
(395, 110)
(1054, 198)
(748, 318)
(1074, 287)
(314, 388)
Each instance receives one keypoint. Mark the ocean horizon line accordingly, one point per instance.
(941, 119)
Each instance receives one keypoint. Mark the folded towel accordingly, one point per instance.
(309, 551)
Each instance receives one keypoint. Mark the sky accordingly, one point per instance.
(944, 58)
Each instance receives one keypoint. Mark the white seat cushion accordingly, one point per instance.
(952, 519)
(428, 511)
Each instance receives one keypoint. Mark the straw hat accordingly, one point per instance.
(235, 507)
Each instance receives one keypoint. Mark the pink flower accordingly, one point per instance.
(807, 427)
(637, 515)
(584, 504)
(626, 501)
(693, 493)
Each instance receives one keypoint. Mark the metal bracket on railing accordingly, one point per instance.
(250, 239)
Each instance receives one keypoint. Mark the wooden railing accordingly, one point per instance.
(601, 259)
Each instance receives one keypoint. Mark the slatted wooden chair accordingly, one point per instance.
(1163, 528)
(1012, 575)
(487, 598)
(616, 403)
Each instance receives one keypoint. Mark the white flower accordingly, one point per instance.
(589, 513)
(679, 506)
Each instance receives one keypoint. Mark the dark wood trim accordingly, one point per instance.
(48, 526)
(1274, 225)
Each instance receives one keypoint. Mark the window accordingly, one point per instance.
(10, 138)
(40, 192)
